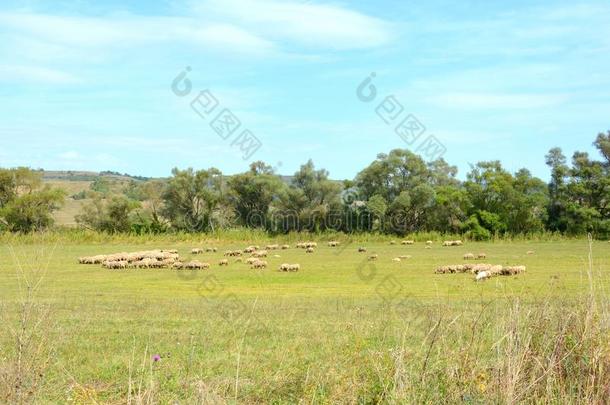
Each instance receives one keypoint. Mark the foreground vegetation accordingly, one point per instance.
(341, 330)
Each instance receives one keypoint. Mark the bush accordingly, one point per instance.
(474, 230)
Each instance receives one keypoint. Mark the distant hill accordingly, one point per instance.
(77, 175)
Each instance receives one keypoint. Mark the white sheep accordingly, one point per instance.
(259, 264)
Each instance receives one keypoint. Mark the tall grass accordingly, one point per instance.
(29, 326)
(78, 235)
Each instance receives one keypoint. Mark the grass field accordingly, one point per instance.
(342, 330)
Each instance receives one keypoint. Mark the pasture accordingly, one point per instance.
(343, 329)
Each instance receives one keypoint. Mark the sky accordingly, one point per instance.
(90, 85)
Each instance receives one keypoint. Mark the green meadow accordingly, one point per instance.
(341, 330)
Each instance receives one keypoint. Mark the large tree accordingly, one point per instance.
(252, 193)
(25, 204)
(192, 198)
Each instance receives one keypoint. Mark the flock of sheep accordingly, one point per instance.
(156, 259)
(143, 259)
(481, 271)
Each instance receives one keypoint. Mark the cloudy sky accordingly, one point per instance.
(87, 85)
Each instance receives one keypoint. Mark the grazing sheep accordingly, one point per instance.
(453, 243)
(99, 259)
(309, 250)
(454, 268)
(429, 242)
(477, 268)
(285, 247)
(251, 260)
(143, 259)
(404, 257)
(260, 253)
(115, 265)
(196, 265)
(233, 253)
(488, 269)
(177, 265)
(272, 247)
(223, 262)
(396, 260)
(290, 267)
(512, 270)
(407, 242)
(373, 257)
(250, 249)
(483, 275)
(392, 242)
(333, 244)
(361, 249)
(481, 256)
(259, 264)
(196, 251)
(428, 247)
(167, 262)
(146, 263)
(469, 256)
(305, 245)
(530, 252)
(496, 270)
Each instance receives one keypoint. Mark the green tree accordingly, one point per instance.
(25, 204)
(252, 193)
(389, 175)
(191, 199)
(318, 198)
(112, 215)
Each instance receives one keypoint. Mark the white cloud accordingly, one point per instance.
(11, 73)
(316, 25)
(128, 31)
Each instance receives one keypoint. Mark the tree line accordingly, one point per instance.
(398, 193)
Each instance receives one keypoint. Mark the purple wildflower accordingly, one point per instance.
(156, 358)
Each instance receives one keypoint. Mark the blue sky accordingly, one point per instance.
(87, 85)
